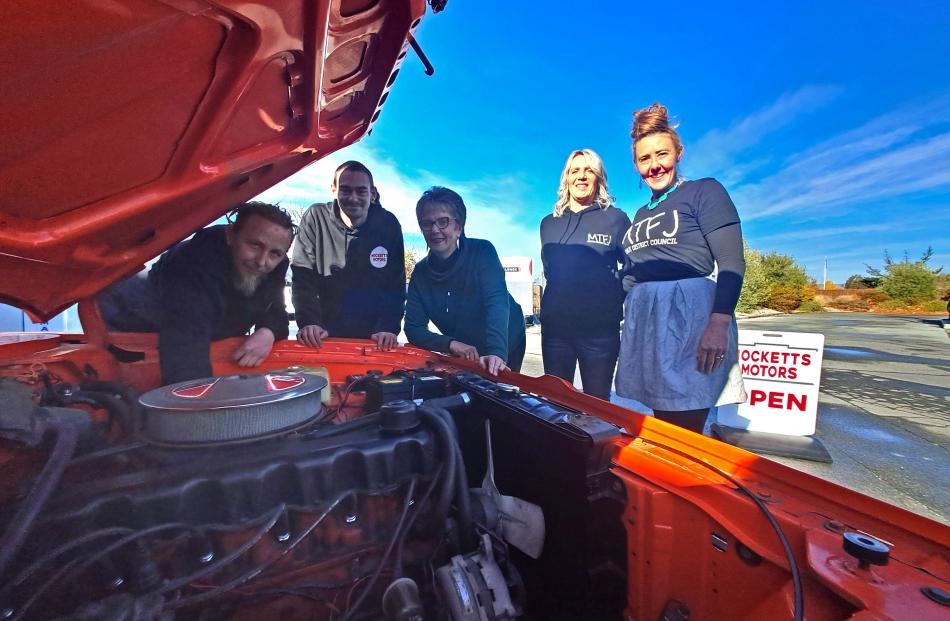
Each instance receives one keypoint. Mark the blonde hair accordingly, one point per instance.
(604, 199)
(655, 119)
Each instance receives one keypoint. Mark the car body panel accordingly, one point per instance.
(130, 124)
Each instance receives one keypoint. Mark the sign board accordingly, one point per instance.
(519, 279)
(782, 373)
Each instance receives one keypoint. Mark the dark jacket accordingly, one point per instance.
(467, 300)
(580, 252)
(350, 281)
(189, 298)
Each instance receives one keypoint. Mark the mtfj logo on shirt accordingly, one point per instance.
(379, 257)
(598, 238)
(651, 231)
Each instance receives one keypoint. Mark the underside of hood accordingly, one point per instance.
(126, 125)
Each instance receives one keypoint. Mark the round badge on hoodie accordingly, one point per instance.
(379, 257)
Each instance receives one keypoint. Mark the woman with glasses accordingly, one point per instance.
(460, 287)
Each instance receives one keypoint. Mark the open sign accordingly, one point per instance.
(782, 374)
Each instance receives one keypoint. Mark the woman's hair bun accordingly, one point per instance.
(650, 120)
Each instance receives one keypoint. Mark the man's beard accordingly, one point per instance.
(246, 285)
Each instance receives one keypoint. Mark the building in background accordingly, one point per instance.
(519, 278)
(13, 319)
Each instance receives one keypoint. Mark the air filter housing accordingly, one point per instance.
(231, 408)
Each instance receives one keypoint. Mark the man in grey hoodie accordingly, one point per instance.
(348, 265)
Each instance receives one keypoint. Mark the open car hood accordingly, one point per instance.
(127, 125)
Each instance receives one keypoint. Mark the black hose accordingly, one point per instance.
(116, 388)
(444, 415)
(67, 436)
(118, 410)
(448, 443)
(463, 501)
(452, 403)
(128, 395)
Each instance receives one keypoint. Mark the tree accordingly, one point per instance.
(412, 255)
(857, 281)
(295, 210)
(787, 281)
(781, 269)
(772, 280)
(906, 280)
(755, 286)
(410, 259)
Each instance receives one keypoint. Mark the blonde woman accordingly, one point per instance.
(583, 299)
(679, 345)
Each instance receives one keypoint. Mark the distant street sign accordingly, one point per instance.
(782, 373)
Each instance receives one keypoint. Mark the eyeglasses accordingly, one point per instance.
(440, 223)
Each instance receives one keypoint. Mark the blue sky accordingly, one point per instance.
(829, 123)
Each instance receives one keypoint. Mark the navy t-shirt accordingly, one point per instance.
(668, 242)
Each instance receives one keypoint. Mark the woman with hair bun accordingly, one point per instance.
(684, 271)
(460, 287)
(583, 299)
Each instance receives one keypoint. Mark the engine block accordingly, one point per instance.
(321, 507)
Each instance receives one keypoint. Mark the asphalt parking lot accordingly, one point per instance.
(884, 406)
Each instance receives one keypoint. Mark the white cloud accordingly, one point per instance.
(717, 153)
(897, 153)
(842, 180)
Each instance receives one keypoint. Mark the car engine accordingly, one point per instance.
(413, 495)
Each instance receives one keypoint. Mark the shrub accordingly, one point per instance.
(774, 281)
(781, 270)
(942, 283)
(830, 286)
(857, 281)
(850, 304)
(784, 298)
(810, 306)
(875, 296)
(755, 286)
(410, 261)
(908, 281)
(892, 305)
(934, 306)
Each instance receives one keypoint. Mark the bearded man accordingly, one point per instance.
(349, 275)
(220, 283)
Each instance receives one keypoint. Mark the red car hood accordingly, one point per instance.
(128, 124)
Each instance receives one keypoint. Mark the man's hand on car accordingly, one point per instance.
(312, 336)
(463, 350)
(254, 348)
(384, 340)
